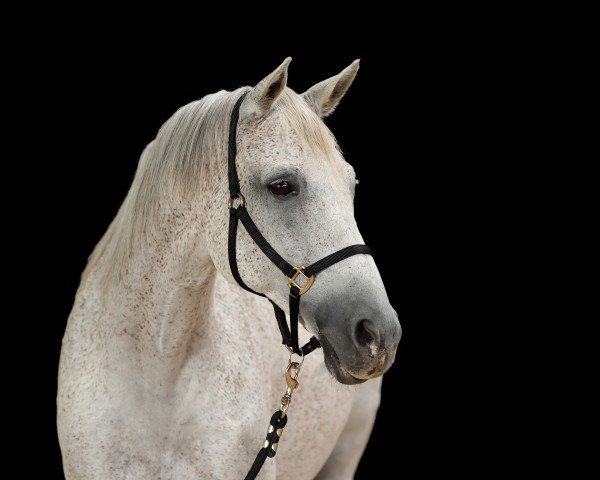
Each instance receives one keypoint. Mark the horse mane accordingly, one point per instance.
(189, 150)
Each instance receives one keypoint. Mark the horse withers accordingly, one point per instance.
(168, 368)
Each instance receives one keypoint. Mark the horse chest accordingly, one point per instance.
(248, 385)
(231, 419)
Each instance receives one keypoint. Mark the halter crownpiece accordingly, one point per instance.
(300, 279)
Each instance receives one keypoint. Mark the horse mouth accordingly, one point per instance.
(334, 366)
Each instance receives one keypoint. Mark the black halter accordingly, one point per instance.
(288, 335)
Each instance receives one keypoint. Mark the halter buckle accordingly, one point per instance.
(234, 197)
(308, 283)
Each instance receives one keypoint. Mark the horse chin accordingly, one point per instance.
(335, 367)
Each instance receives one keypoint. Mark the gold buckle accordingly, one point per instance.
(309, 280)
(237, 196)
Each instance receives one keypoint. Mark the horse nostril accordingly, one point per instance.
(366, 335)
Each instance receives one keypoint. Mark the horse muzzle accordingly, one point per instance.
(360, 349)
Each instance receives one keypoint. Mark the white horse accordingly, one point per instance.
(169, 370)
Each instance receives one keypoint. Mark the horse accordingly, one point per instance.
(170, 370)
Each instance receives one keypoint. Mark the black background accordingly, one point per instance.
(411, 127)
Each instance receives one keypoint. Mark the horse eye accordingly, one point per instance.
(281, 188)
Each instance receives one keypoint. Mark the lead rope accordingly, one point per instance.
(300, 279)
(278, 420)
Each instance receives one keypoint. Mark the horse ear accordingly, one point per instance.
(325, 96)
(261, 98)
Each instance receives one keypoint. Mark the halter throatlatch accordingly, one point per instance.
(300, 278)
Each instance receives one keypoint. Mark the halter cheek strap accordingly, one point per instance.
(300, 278)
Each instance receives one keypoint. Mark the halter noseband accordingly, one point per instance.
(297, 288)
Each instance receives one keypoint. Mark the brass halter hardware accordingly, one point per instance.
(237, 196)
(308, 283)
(292, 382)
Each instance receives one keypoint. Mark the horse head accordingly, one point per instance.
(300, 192)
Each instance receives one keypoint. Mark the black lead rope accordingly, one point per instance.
(300, 279)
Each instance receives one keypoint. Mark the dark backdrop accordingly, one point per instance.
(411, 134)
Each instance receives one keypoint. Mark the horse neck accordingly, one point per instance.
(159, 298)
